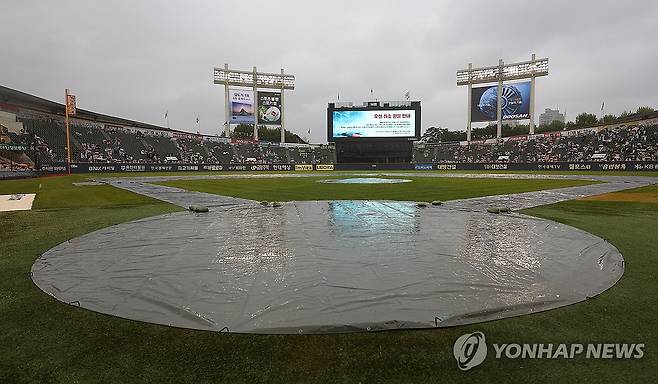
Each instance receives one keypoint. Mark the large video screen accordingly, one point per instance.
(515, 98)
(373, 123)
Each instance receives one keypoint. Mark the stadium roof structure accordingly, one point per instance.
(14, 98)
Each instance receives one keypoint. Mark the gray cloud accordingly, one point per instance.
(138, 59)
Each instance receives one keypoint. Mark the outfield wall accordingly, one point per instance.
(562, 166)
(547, 166)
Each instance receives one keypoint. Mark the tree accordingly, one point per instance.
(446, 135)
(625, 114)
(487, 132)
(521, 129)
(243, 131)
(246, 132)
(555, 125)
(585, 120)
(644, 110)
(608, 119)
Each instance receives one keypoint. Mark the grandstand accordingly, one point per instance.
(626, 142)
(97, 138)
(102, 139)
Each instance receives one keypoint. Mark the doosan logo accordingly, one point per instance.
(470, 350)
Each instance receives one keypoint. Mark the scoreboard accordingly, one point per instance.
(378, 121)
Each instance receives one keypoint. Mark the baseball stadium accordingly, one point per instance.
(519, 248)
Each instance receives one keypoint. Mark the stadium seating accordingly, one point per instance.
(616, 143)
(221, 153)
(51, 135)
(97, 143)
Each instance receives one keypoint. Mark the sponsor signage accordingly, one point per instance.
(553, 166)
(515, 102)
(269, 108)
(423, 167)
(242, 106)
(70, 104)
(324, 167)
(138, 168)
(243, 141)
(518, 138)
(13, 147)
(564, 166)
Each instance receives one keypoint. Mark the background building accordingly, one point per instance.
(550, 115)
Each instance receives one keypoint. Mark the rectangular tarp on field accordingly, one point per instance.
(17, 202)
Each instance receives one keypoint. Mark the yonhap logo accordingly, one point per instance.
(470, 350)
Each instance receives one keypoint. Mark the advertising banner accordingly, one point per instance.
(13, 147)
(544, 166)
(374, 124)
(423, 167)
(515, 99)
(243, 141)
(269, 108)
(70, 104)
(242, 106)
(138, 168)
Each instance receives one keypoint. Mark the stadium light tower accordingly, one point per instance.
(255, 80)
(498, 74)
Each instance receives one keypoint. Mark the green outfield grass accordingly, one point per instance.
(420, 173)
(420, 189)
(44, 341)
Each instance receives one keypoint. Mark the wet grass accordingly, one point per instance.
(420, 173)
(640, 196)
(419, 189)
(44, 341)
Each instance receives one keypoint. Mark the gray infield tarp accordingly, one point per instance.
(333, 266)
(316, 267)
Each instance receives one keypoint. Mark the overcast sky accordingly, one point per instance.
(137, 59)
